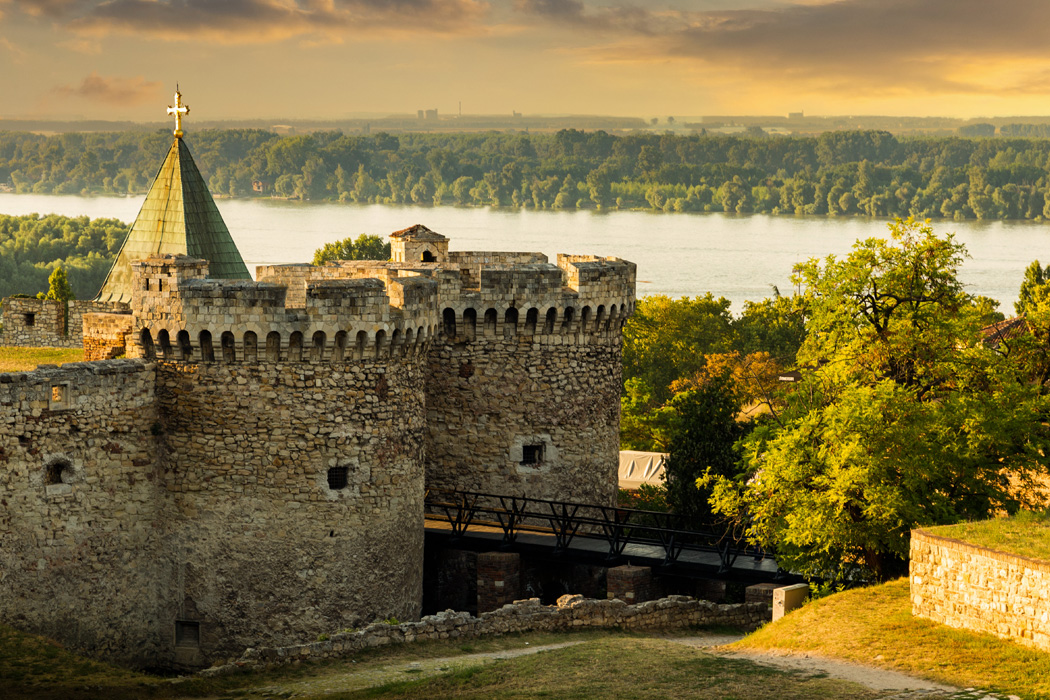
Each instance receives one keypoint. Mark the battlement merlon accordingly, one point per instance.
(384, 303)
(596, 277)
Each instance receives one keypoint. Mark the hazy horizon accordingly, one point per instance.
(119, 60)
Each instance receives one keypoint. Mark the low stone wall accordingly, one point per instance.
(573, 612)
(969, 587)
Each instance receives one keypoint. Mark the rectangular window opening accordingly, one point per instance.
(59, 397)
(532, 454)
(187, 633)
(30, 319)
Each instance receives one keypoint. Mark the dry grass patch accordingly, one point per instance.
(26, 359)
(874, 626)
(1026, 534)
(625, 667)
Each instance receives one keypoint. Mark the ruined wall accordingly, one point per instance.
(572, 613)
(969, 587)
(81, 507)
(45, 323)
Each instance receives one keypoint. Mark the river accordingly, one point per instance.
(735, 256)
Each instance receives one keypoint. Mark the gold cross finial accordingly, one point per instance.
(178, 110)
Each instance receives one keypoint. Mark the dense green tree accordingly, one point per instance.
(58, 288)
(1035, 277)
(903, 418)
(703, 432)
(365, 247)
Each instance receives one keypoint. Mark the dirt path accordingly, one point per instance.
(898, 685)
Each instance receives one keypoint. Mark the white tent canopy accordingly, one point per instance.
(638, 468)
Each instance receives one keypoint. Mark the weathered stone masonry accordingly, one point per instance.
(970, 587)
(82, 514)
(255, 474)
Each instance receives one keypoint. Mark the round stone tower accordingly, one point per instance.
(293, 441)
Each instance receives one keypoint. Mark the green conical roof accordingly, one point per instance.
(178, 217)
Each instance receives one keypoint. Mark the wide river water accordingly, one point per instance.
(735, 256)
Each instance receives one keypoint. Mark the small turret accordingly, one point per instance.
(418, 244)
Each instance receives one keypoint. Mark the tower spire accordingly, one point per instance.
(178, 111)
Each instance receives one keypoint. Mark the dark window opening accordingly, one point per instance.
(428, 256)
(337, 477)
(58, 472)
(30, 319)
(187, 634)
(532, 454)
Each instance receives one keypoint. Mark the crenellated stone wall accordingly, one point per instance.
(256, 473)
(969, 587)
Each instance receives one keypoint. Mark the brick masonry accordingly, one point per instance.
(499, 579)
(970, 587)
(631, 584)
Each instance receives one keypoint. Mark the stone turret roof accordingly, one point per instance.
(419, 232)
(179, 217)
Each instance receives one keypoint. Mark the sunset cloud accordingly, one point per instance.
(121, 92)
(259, 21)
(852, 46)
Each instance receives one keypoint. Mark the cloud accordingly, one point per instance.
(257, 21)
(849, 47)
(114, 91)
(16, 52)
(44, 8)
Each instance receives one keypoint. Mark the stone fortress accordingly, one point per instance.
(252, 471)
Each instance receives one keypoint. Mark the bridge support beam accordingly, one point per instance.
(499, 580)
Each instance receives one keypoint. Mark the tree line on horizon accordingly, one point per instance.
(840, 173)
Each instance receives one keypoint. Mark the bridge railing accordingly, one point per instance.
(567, 520)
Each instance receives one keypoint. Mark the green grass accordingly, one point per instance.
(623, 667)
(26, 359)
(874, 626)
(600, 665)
(1026, 534)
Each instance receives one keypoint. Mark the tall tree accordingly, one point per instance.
(903, 418)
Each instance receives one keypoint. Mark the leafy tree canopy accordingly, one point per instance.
(903, 417)
(365, 247)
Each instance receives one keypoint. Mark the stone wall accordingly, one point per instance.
(970, 587)
(533, 414)
(301, 490)
(82, 519)
(105, 335)
(36, 323)
(45, 323)
(573, 612)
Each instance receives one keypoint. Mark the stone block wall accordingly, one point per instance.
(970, 587)
(83, 526)
(301, 490)
(36, 323)
(537, 415)
(105, 335)
(572, 613)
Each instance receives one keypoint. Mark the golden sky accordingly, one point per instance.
(120, 59)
